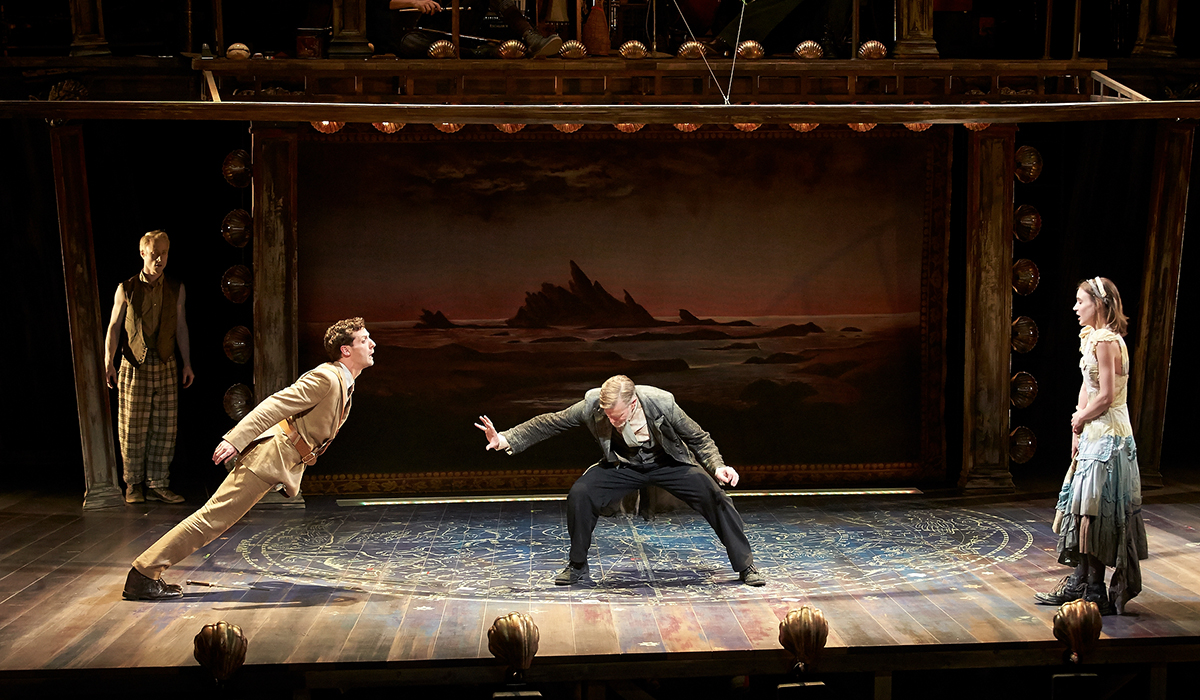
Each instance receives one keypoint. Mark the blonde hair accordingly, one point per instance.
(342, 333)
(1108, 303)
(614, 390)
(147, 241)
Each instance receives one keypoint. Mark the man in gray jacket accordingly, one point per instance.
(646, 438)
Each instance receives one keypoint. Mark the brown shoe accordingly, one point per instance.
(138, 586)
(163, 494)
(133, 494)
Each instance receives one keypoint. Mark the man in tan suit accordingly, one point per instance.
(270, 447)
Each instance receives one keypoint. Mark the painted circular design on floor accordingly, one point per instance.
(512, 552)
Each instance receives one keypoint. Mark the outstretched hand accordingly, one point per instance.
(727, 475)
(223, 452)
(495, 440)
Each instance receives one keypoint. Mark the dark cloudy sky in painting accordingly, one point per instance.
(722, 227)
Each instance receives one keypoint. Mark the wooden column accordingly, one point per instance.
(101, 487)
(988, 309)
(87, 29)
(1156, 29)
(1160, 289)
(275, 308)
(349, 30)
(914, 29)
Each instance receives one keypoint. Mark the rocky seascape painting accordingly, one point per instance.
(741, 275)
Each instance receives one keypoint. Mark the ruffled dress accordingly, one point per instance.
(1101, 498)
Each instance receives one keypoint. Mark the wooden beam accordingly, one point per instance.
(87, 29)
(101, 486)
(1156, 28)
(349, 30)
(988, 309)
(1160, 289)
(274, 215)
(914, 23)
(604, 114)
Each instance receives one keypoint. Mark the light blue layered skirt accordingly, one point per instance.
(1102, 508)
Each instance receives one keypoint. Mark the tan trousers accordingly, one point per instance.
(233, 499)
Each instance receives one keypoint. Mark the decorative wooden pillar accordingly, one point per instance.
(101, 488)
(988, 309)
(349, 30)
(87, 29)
(1156, 29)
(275, 308)
(914, 29)
(1160, 290)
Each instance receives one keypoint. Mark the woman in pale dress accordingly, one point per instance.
(1098, 518)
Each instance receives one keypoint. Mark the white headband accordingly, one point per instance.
(1098, 286)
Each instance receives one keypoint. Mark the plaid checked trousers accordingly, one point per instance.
(148, 399)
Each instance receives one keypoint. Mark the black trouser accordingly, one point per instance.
(604, 483)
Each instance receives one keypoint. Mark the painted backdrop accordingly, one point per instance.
(774, 285)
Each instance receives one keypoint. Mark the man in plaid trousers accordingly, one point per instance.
(148, 307)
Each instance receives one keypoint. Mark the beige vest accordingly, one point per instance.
(137, 331)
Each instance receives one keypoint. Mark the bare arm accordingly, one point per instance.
(113, 337)
(181, 338)
(427, 7)
(1095, 406)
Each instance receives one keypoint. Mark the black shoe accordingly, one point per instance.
(1068, 589)
(541, 46)
(138, 586)
(1098, 594)
(751, 577)
(571, 574)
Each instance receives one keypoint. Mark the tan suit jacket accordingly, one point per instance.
(318, 402)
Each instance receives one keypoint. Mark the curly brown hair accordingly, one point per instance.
(342, 333)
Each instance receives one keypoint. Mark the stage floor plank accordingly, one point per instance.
(425, 582)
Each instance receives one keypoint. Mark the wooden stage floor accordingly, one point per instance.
(394, 587)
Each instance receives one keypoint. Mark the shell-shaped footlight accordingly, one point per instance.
(236, 228)
(691, 50)
(1027, 222)
(1025, 276)
(568, 128)
(977, 126)
(687, 128)
(328, 127)
(572, 49)
(750, 50)
(513, 638)
(1029, 163)
(237, 51)
(1078, 625)
(220, 648)
(808, 50)
(447, 128)
(872, 50)
(388, 127)
(510, 128)
(238, 401)
(442, 48)
(628, 128)
(236, 168)
(1024, 334)
(633, 50)
(803, 632)
(917, 126)
(1022, 389)
(238, 344)
(513, 48)
(237, 283)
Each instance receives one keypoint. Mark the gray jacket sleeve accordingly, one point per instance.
(696, 438)
(544, 426)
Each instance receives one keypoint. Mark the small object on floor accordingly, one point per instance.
(571, 574)
(138, 586)
(133, 494)
(243, 587)
(751, 577)
(1068, 589)
(164, 495)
